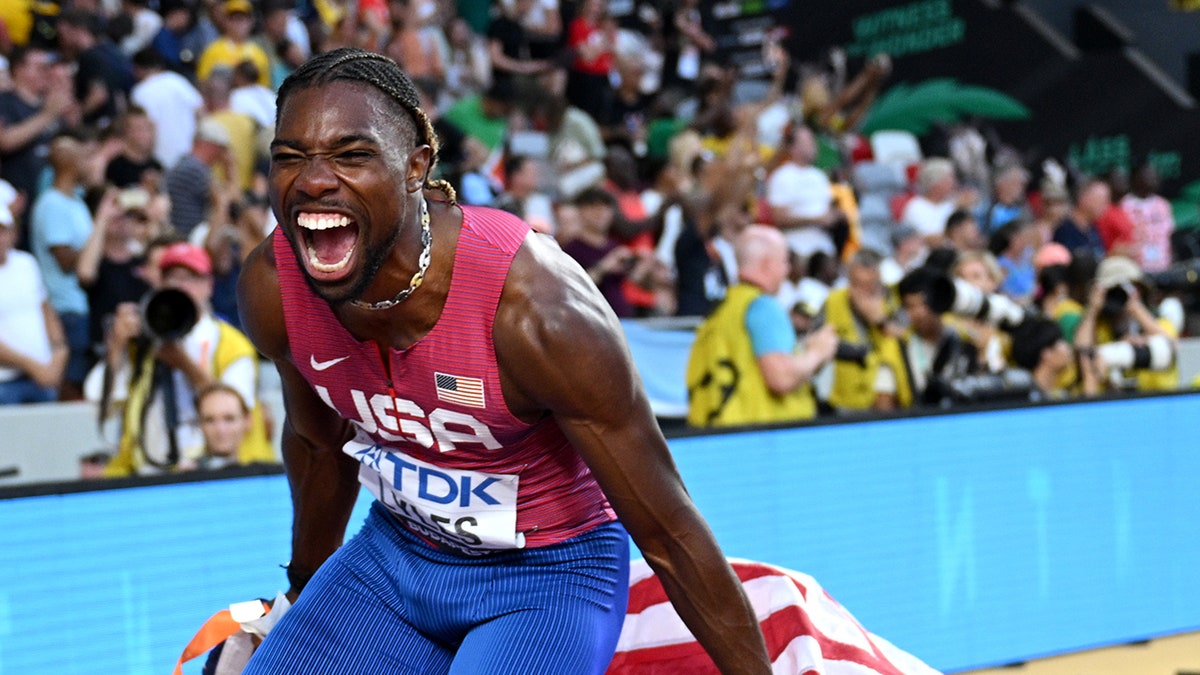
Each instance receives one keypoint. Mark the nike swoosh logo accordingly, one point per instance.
(324, 365)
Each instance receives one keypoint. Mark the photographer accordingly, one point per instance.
(1122, 346)
(159, 356)
(935, 353)
(869, 372)
(745, 367)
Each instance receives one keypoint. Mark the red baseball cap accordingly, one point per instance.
(188, 255)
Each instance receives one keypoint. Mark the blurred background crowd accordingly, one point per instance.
(827, 271)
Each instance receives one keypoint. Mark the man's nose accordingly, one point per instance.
(316, 177)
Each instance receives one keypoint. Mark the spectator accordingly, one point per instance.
(451, 140)
(1114, 225)
(174, 40)
(576, 148)
(60, 224)
(908, 253)
(33, 349)
(234, 46)
(244, 144)
(599, 252)
(191, 184)
(1078, 230)
(111, 262)
(1040, 347)
(225, 421)
(1116, 314)
(1012, 247)
(935, 353)
(876, 377)
(468, 68)
(156, 380)
(144, 25)
(1055, 204)
(686, 43)
(981, 270)
(170, 101)
(801, 197)
(284, 39)
(510, 47)
(251, 98)
(629, 111)
(522, 178)
(476, 186)
(937, 196)
(1153, 220)
(591, 39)
(136, 164)
(103, 75)
(1008, 197)
(39, 105)
(701, 276)
(744, 366)
(483, 116)
(962, 232)
(414, 44)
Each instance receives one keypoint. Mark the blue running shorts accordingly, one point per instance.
(387, 602)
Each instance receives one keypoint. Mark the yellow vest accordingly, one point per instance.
(232, 345)
(725, 385)
(854, 385)
(1147, 380)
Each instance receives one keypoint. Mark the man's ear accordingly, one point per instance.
(419, 161)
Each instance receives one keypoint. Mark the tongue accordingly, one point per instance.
(332, 245)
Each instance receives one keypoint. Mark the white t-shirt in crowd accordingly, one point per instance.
(926, 217)
(172, 102)
(22, 324)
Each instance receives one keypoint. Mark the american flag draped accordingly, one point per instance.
(807, 631)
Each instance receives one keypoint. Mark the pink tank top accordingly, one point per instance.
(440, 448)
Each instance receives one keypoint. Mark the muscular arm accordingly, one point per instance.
(323, 481)
(561, 349)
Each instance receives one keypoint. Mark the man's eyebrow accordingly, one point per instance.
(348, 139)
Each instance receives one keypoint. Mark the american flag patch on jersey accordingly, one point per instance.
(466, 391)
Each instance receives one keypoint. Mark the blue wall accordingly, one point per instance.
(968, 539)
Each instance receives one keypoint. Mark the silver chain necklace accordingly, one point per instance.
(418, 277)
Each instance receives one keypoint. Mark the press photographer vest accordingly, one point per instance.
(231, 346)
(725, 385)
(854, 384)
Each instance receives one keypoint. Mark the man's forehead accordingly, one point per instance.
(340, 108)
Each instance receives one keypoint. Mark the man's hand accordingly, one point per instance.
(822, 343)
(172, 353)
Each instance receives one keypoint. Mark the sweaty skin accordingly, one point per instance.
(338, 151)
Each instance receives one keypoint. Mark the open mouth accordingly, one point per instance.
(329, 241)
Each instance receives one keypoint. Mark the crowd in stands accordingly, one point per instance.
(839, 272)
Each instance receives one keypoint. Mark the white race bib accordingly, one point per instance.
(471, 511)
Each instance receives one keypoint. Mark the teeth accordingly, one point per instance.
(322, 267)
(321, 221)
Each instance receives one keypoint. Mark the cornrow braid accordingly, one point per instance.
(384, 74)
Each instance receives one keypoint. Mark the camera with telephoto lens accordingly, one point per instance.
(1115, 299)
(1157, 354)
(1010, 384)
(1181, 277)
(168, 314)
(959, 297)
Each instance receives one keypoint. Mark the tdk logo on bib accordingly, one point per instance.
(472, 511)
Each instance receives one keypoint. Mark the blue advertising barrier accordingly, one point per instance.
(968, 539)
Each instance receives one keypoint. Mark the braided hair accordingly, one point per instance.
(384, 74)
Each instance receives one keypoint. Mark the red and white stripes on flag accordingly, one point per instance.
(466, 391)
(807, 631)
